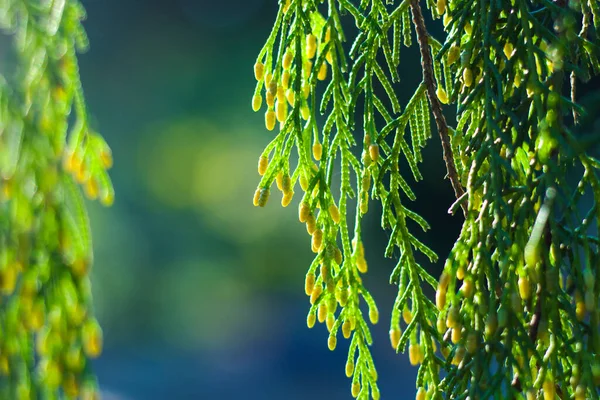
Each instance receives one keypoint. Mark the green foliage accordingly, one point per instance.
(524, 321)
(47, 327)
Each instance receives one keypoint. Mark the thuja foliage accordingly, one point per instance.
(48, 151)
(516, 308)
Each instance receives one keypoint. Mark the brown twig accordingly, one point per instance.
(436, 107)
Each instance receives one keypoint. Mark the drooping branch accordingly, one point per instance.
(436, 107)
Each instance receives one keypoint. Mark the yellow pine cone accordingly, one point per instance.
(281, 110)
(305, 112)
(342, 295)
(334, 212)
(349, 369)
(549, 389)
(37, 316)
(280, 93)
(337, 256)
(459, 355)
(361, 264)
(311, 45)
(508, 49)
(456, 334)
(441, 7)
(468, 28)
(311, 319)
(270, 100)
(52, 373)
(270, 119)
(329, 321)
(414, 356)
(441, 325)
(272, 88)
(332, 342)
(580, 392)
(90, 393)
(285, 80)
(453, 54)
(440, 298)
(71, 386)
(259, 71)
(106, 158)
(322, 75)
(524, 287)
(92, 339)
(303, 182)
(444, 280)
(286, 183)
(317, 151)
(346, 329)
(256, 102)
(329, 57)
(278, 179)
(107, 197)
(580, 310)
(8, 279)
(256, 197)
(287, 60)
(447, 19)
(374, 315)
(468, 77)
(453, 319)
(263, 163)
(317, 240)
(261, 196)
(374, 152)
(311, 224)
(322, 312)
(305, 90)
(303, 212)
(309, 283)
(315, 294)
(290, 95)
(467, 288)
(442, 95)
(406, 315)
(287, 198)
(395, 335)
(91, 189)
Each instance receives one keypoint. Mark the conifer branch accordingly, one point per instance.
(436, 107)
(501, 300)
(48, 148)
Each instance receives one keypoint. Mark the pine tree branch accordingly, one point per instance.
(436, 107)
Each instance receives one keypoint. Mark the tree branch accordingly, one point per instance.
(436, 107)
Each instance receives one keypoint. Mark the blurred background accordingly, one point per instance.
(200, 294)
